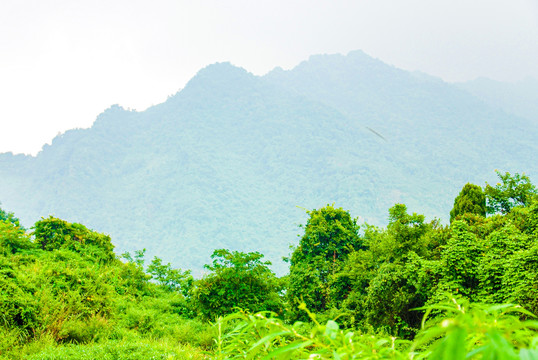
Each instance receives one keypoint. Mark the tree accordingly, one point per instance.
(330, 235)
(392, 276)
(471, 200)
(9, 216)
(395, 293)
(169, 278)
(407, 231)
(237, 280)
(13, 239)
(515, 190)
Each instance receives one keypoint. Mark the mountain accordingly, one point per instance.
(437, 134)
(519, 98)
(233, 160)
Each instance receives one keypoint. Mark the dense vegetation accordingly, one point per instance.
(414, 289)
(226, 161)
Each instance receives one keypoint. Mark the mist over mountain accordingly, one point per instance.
(519, 98)
(233, 159)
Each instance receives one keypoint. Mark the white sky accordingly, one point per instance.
(64, 62)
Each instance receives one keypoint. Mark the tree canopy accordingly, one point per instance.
(237, 280)
(513, 190)
(471, 200)
(329, 236)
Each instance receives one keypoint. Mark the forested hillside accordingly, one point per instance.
(414, 289)
(519, 98)
(232, 160)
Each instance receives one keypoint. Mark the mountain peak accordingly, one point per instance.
(353, 58)
(221, 71)
(220, 78)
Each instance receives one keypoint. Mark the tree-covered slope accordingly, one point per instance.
(225, 162)
(519, 98)
(433, 130)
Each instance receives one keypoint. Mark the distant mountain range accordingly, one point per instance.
(233, 160)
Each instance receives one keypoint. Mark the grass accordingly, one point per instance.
(140, 349)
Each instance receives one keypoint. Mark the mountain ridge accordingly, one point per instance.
(226, 161)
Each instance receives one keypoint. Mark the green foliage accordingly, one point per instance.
(460, 261)
(471, 200)
(515, 190)
(66, 293)
(412, 263)
(350, 285)
(138, 259)
(119, 350)
(263, 336)
(501, 247)
(460, 331)
(477, 331)
(492, 260)
(395, 291)
(134, 281)
(380, 282)
(225, 161)
(169, 278)
(18, 306)
(330, 235)
(519, 281)
(9, 217)
(67, 289)
(53, 233)
(13, 239)
(237, 280)
(407, 231)
(526, 218)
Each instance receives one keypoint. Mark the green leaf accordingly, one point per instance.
(268, 338)
(452, 346)
(527, 354)
(291, 347)
(331, 329)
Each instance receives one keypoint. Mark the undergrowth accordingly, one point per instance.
(458, 331)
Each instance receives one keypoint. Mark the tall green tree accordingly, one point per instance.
(471, 200)
(399, 274)
(513, 190)
(407, 231)
(330, 235)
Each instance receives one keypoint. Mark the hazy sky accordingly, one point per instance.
(64, 62)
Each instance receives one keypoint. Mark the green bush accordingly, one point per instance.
(237, 280)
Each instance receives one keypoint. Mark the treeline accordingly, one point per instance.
(380, 276)
(374, 277)
(61, 283)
